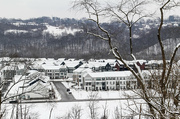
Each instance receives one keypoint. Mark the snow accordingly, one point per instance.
(57, 31)
(61, 109)
(21, 23)
(178, 45)
(15, 31)
(80, 94)
(136, 36)
(111, 74)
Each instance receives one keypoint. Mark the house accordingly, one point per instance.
(78, 73)
(71, 66)
(52, 71)
(109, 80)
(8, 72)
(35, 85)
(37, 89)
(155, 64)
(63, 71)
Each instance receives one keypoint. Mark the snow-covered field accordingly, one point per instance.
(62, 109)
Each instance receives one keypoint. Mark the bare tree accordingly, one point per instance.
(74, 113)
(105, 111)
(163, 105)
(92, 105)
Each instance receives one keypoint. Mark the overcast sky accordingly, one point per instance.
(36, 8)
(25, 9)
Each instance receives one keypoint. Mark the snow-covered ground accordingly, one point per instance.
(15, 31)
(57, 31)
(80, 94)
(62, 109)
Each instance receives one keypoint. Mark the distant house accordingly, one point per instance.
(109, 81)
(51, 71)
(32, 86)
(71, 66)
(78, 73)
(8, 72)
(63, 71)
(155, 64)
(37, 89)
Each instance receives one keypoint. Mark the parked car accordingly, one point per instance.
(13, 101)
(68, 89)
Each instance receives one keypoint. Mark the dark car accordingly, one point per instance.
(68, 89)
(13, 101)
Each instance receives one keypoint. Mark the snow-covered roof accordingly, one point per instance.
(71, 63)
(8, 68)
(50, 67)
(93, 64)
(141, 61)
(81, 69)
(156, 61)
(110, 74)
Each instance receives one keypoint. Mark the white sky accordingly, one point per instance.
(25, 9)
(36, 8)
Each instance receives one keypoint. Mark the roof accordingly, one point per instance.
(79, 70)
(93, 64)
(50, 67)
(110, 74)
(71, 63)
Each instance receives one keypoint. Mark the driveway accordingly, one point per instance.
(65, 96)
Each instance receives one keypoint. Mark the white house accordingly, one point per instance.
(52, 71)
(32, 86)
(109, 80)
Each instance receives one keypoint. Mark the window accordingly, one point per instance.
(98, 79)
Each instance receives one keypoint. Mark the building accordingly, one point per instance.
(119, 80)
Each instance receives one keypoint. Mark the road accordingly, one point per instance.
(63, 91)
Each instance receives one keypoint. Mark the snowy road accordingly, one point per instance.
(63, 91)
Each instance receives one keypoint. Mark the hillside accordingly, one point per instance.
(55, 37)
